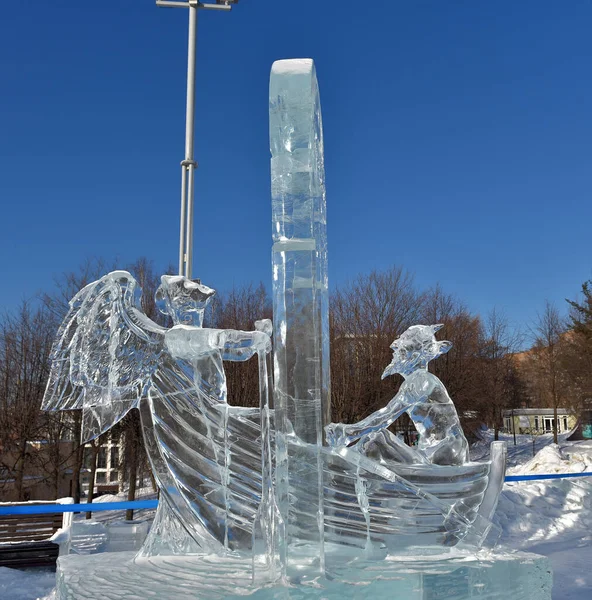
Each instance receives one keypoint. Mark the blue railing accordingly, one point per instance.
(41, 509)
(545, 476)
(38, 509)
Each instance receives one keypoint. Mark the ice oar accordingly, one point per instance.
(269, 535)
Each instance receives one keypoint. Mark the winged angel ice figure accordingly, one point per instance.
(109, 357)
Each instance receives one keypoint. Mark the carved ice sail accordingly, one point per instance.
(300, 292)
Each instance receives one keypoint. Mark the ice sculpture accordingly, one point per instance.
(423, 397)
(109, 358)
(257, 487)
(300, 296)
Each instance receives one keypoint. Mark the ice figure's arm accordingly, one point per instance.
(241, 345)
(340, 434)
(190, 343)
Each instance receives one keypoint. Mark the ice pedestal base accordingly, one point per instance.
(454, 576)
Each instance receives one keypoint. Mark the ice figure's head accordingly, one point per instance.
(183, 300)
(414, 349)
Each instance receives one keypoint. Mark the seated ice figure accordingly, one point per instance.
(386, 448)
(422, 396)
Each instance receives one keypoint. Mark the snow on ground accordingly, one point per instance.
(553, 518)
(25, 585)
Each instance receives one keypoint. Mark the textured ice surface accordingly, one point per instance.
(186, 343)
(269, 527)
(300, 295)
(91, 537)
(183, 300)
(453, 576)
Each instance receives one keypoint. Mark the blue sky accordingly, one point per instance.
(458, 139)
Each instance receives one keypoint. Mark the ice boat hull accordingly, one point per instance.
(216, 466)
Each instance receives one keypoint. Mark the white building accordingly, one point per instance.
(538, 420)
(107, 477)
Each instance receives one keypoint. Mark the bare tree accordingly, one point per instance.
(239, 309)
(496, 367)
(458, 369)
(546, 377)
(58, 434)
(25, 341)
(92, 452)
(135, 460)
(366, 315)
(67, 285)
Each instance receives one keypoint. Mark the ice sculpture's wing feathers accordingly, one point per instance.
(60, 393)
(105, 353)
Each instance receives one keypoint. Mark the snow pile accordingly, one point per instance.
(551, 517)
(142, 493)
(532, 512)
(26, 585)
(554, 459)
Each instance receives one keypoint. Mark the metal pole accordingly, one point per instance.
(189, 237)
(191, 83)
(513, 427)
(189, 164)
(182, 232)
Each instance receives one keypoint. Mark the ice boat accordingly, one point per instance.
(214, 452)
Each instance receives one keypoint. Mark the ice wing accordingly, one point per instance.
(60, 393)
(105, 353)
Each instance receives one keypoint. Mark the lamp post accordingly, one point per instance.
(189, 164)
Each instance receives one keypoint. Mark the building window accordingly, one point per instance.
(102, 458)
(113, 476)
(536, 423)
(564, 423)
(114, 457)
(101, 477)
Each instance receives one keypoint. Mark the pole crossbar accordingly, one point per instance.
(175, 4)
